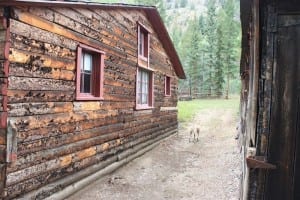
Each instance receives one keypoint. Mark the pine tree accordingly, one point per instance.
(211, 35)
(194, 56)
(230, 31)
(219, 71)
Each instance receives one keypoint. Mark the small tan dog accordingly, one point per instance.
(194, 134)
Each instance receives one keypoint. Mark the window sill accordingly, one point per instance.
(147, 68)
(143, 58)
(167, 95)
(89, 98)
(142, 107)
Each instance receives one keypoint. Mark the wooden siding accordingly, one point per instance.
(56, 135)
(4, 63)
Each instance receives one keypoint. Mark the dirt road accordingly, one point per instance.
(179, 169)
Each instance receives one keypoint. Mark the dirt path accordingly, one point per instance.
(179, 169)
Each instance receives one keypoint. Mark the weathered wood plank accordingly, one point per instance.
(69, 127)
(42, 61)
(38, 71)
(25, 109)
(97, 23)
(33, 122)
(25, 83)
(45, 48)
(19, 96)
(32, 32)
(48, 154)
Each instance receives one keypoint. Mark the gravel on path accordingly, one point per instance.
(180, 168)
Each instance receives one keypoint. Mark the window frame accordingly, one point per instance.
(150, 103)
(97, 77)
(146, 42)
(167, 86)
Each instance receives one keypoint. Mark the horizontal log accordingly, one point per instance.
(65, 128)
(38, 71)
(112, 82)
(19, 96)
(48, 154)
(41, 61)
(66, 139)
(33, 122)
(51, 176)
(93, 32)
(70, 138)
(25, 83)
(45, 48)
(32, 32)
(97, 24)
(27, 109)
(15, 177)
(121, 131)
(118, 91)
(120, 26)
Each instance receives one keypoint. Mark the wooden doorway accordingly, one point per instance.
(284, 144)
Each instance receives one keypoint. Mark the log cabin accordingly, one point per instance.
(83, 85)
(270, 99)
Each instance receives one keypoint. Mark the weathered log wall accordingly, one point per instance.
(56, 135)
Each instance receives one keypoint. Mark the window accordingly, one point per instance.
(144, 89)
(144, 83)
(143, 42)
(167, 86)
(90, 69)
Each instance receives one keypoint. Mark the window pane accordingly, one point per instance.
(88, 62)
(139, 98)
(168, 85)
(145, 99)
(141, 43)
(82, 62)
(87, 83)
(81, 83)
(86, 73)
(146, 77)
(143, 87)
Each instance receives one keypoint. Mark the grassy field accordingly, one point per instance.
(187, 109)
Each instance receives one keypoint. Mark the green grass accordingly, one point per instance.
(187, 109)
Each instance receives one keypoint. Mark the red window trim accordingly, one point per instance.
(145, 30)
(151, 90)
(97, 84)
(167, 86)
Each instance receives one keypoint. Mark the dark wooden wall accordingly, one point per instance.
(56, 135)
(4, 63)
(256, 182)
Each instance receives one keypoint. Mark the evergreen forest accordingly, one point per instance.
(206, 35)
